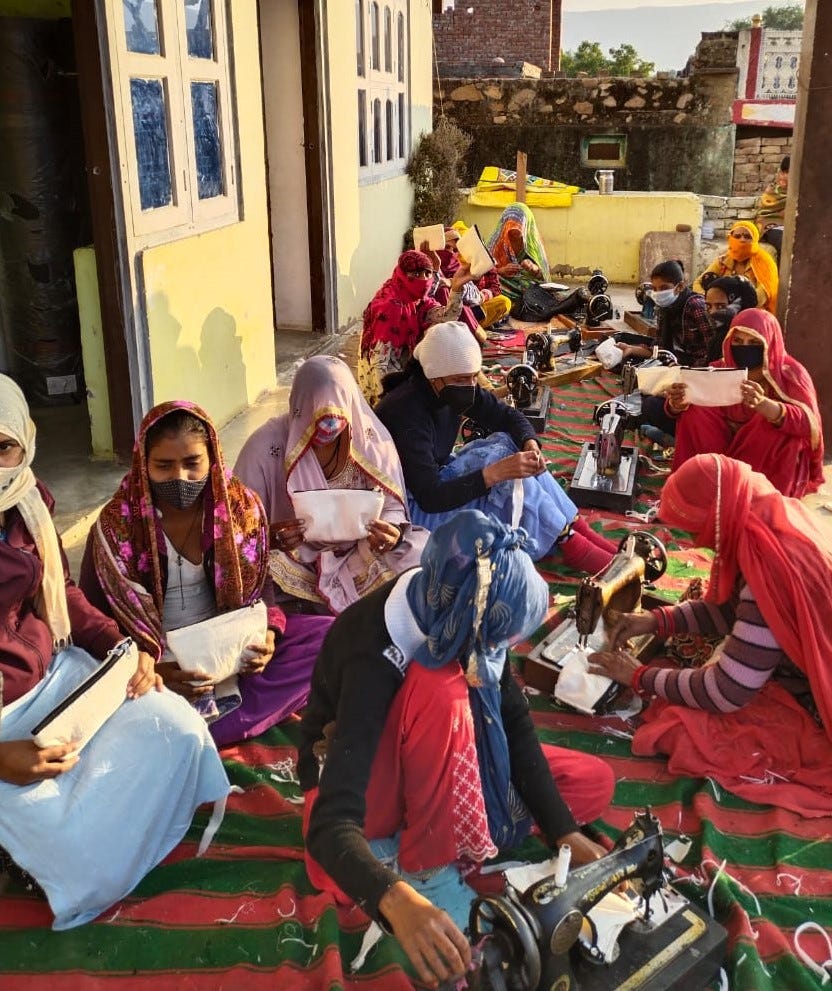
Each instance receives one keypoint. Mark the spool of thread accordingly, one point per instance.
(562, 865)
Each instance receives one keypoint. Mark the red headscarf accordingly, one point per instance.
(788, 379)
(774, 543)
(397, 313)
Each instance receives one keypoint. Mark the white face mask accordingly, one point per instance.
(664, 297)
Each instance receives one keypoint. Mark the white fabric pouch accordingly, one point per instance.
(217, 645)
(334, 516)
(577, 687)
(609, 354)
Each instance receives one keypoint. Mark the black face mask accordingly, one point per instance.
(721, 319)
(747, 355)
(459, 397)
(179, 492)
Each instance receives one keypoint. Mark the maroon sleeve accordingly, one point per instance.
(491, 282)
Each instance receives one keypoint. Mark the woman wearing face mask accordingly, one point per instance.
(745, 257)
(182, 541)
(724, 298)
(503, 475)
(329, 439)
(776, 428)
(398, 315)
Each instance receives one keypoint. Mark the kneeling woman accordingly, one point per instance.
(431, 754)
(503, 475)
(759, 719)
(87, 827)
(182, 541)
(777, 427)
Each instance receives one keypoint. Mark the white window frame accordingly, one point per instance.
(187, 214)
(384, 86)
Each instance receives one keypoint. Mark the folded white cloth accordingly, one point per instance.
(576, 686)
(334, 516)
(217, 645)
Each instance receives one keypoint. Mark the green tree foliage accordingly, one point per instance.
(788, 18)
(589, 57)
(435, 171)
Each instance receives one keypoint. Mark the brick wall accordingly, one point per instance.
(478, 37)
(756, 161)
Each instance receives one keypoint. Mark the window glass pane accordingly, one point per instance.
(362, 127)
(207, 148)
(401, 126)
(388, 40)
(199, 26)
(374, 35)
(376, 130)
(401, 47)
(141, 26)
(151, 131)
(359, 36)
(390, 132)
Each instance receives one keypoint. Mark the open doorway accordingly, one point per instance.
(289, 56)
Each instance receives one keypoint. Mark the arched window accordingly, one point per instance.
(360, 54)
(391, 133)
(400, 40)
(377, 131)
(388, 40)
(362, 127)
(402, 127)
(374, 36)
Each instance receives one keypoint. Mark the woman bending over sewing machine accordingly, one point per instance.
(88, 826)
(503, 475)
(776, 428)
(759, 718)
(181, 542)
(430, 761)
(518, 251)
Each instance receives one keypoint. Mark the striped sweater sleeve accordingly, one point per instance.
(749, 657)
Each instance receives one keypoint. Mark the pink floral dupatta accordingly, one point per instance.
(127, 540)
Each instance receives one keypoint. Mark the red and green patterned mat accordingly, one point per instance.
(245, 916)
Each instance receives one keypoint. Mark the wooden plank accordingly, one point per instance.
(520, 184)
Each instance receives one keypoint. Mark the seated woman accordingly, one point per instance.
(503, 475)
(330, 439)
(724, 298)
(745, 257)
(431, 755)
(518, 251)
(484, 296)
(759, 719)
(399, 314)
(86, 827)
(777, 427)
(771, 208)
(182, 541)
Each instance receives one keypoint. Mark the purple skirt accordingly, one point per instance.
(283, 686)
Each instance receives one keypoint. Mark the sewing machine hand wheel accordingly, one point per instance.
(511, 928)
(648, 546)
(471, 430)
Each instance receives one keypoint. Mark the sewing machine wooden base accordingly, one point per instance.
(614, 492)
(542, 665)
(684, 954)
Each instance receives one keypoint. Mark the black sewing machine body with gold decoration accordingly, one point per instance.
(600, 600)
(540, 939)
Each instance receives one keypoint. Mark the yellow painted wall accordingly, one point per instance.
(370, 218)
(602, 231)
(35, 8)
(92, 350)
(209, 298)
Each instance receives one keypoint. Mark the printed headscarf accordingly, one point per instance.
(128, 540)
(19, 488)
(478, 591)
(518, 217)
(761, 263)
(397, 314)
(774, 543)
(788, 379)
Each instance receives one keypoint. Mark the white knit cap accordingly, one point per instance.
(448, 349)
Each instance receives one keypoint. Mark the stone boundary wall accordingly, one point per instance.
(756, 161)
(723, 211)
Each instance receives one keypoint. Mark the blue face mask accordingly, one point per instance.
(664, 297)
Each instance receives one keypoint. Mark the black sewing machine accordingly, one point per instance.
(528, 395)
(599, 308)
(640, 560)
(644, 298)
(544, 939)
(605, 475)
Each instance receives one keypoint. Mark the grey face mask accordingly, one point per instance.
(179, 492)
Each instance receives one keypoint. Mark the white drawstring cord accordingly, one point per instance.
(820, 970)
